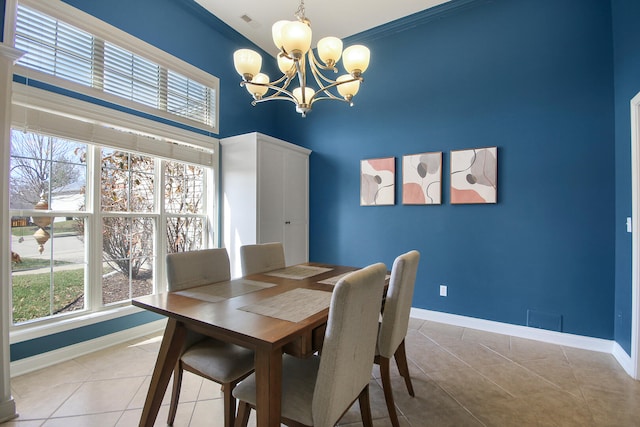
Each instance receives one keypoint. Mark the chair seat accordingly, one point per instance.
(222, 362)
(298, 382)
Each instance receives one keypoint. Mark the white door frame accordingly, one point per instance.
(635, 239)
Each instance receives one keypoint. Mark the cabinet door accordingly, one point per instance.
(296, 211)
(271, 193)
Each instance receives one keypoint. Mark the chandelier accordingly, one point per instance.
(293, 39)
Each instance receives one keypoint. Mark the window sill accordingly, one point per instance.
(39, 329)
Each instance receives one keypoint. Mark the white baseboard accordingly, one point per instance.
(623, 359)
(560, 338)
(43, 360)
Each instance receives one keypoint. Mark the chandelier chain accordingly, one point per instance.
(300, 13)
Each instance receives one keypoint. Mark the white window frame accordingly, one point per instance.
(58, 115)
(64, 12)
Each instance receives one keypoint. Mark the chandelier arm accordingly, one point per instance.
(317, 75)
(278, 89)
(332, 98)
(272, 98)
(302, 79)
(272, 85)
(332, 83)
(314, 62)
(285, 78)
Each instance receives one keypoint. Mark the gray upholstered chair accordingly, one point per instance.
(317, 391)
(394, 325)
(223, 363)
(261, 257)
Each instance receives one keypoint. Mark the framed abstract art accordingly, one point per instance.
(474, 175)
(377, 181)
(422, 179)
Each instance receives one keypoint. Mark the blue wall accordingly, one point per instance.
(535, 79)
(626, 38)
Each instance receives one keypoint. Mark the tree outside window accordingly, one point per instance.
(56, 170)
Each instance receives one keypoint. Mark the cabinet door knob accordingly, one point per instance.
(287, 222)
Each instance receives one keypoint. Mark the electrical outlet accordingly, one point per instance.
(443, 290)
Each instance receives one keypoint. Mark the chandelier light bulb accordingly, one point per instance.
(296, 38)
(247, 63)
(297, 93)
(276, 32)
(356, 59)
(349, 89)
(330, 50)
(255, 90)
(286, 65)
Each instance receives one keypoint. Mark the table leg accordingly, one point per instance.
(268, 371)
(172, 341)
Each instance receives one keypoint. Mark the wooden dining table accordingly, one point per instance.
(245, 313)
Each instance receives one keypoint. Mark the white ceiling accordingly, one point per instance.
(339, 18)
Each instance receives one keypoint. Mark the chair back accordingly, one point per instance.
(349, 344)
(262, 257)
(397, 306)
(196, 268)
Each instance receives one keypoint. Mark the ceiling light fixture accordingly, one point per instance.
(293, 38)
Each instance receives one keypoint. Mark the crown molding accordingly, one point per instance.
(415, 20)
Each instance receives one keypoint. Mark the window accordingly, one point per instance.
(127, 201)
(112, 66)
(48, 249)
(53, 223)
(185, 198)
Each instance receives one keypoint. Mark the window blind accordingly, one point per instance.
(63, 117)
(58, 49)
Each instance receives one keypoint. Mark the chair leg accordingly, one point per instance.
(175, 394)
(229, 405)
(244, 410)
(401, 360)
(365, 407)
(385, 375)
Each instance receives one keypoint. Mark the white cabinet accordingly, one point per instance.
(265, 196)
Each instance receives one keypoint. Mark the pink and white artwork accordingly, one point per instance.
(377, 178)
(422, 179)
(474, 175)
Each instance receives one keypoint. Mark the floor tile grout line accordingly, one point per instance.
(573, 374)
(526, 369)
(441, 387)
(507, 359)
(132, 398)
(479, 373)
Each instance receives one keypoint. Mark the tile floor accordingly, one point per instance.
(461, 377)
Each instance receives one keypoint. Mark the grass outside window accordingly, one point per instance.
(32, 292)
